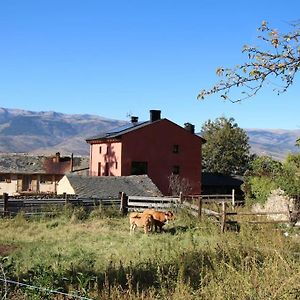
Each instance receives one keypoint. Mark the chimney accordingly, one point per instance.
(134, 120)
(189, 127)
(72, 163)
(154, 115)
(56, 158)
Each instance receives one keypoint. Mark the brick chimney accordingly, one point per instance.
(154, 115)
(56, 158)
(189, 127)
(72, 163)
(134, 120)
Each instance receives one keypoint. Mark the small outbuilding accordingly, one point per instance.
(216, 183)
(107, 187)
(35, 174)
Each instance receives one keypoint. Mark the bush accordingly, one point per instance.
(266, 174)
(261, 188)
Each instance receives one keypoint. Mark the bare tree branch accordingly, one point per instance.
(280, 62)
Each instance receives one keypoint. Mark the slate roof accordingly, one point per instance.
(109, 186)
(32, 164)
(116, 132)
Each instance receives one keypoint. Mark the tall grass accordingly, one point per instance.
(95, 255)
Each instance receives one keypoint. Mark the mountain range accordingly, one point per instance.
(49, 132)
(276, 143)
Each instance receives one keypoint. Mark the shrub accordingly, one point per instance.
(266, 174)
(261, 188)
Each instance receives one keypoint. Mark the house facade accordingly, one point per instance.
(158, 148)
(23, 173)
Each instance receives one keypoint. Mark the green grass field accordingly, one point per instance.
(96, 257)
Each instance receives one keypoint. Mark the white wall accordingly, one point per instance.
(9, 187)
(64, 186)
(47, 187)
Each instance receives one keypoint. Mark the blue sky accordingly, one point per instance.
(113, 58)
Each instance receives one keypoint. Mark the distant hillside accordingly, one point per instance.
(273, 142)
(49, 132)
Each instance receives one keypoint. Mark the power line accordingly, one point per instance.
(43, 289)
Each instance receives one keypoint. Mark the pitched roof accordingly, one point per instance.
(117, 132)
(32, 164)
(109, 186)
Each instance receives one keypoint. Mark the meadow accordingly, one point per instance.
(94, 256)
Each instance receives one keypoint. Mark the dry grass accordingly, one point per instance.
(98, 257)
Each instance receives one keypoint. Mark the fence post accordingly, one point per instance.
(223, 217)
(124, 204)
(200, 207)
(233, 198)
(289, 214)
(100, 204)
(180, 198)
(65, 196)
(5, 203)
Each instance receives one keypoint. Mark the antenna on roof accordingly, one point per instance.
(134, 120)
(128, 115)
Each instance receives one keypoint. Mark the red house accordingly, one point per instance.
(158, 148)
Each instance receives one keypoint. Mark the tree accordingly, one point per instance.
(289, 180)
(266, 174)
(179, 185)
(226, 149)
(260, 178)
(278, 62)
(264, 166)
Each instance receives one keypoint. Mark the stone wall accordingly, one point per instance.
(277, 202)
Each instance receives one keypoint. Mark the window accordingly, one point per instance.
(46, 179)
(5, 178)
(175, 148)
(99, 168)
(175, 170)
(106, 171)
(139, 168)
(116, 165)
(107, 149)
(100, 149)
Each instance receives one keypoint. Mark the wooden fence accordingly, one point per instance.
(35, 205)
(217, 198)
(228, 218)
(194, 204)
(158, 203)
(40, 205)
(139, 203)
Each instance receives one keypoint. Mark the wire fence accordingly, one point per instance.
(6, 281)
(33, 287)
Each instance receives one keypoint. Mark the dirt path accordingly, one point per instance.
(6, 249)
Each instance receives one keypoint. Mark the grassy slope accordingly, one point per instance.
(102, 239)
(190, 261)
